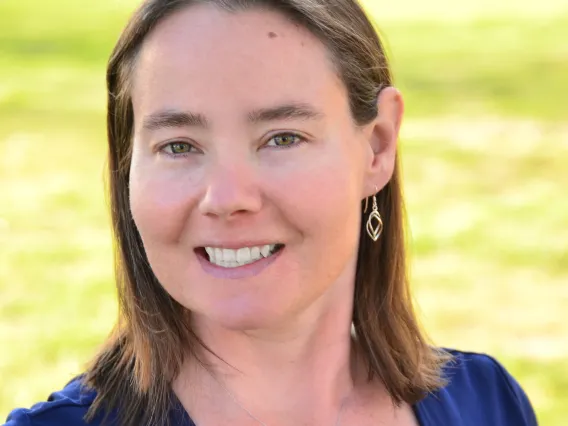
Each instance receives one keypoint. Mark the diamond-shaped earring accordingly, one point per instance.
(374, 230)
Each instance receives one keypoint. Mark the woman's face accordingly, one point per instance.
(244, 140)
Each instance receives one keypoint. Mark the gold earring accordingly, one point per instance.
(374, 231)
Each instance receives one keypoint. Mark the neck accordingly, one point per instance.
(306, 369)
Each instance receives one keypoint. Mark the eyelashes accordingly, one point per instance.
(181, 148)
(178, 148)
(285, 139)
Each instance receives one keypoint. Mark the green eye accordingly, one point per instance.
(284, 140)
(178, 148)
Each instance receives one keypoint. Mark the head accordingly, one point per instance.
(243, 123)
(243, 137)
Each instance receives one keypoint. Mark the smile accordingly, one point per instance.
(230, 265)
(231, 258)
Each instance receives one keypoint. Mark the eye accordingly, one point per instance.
(177, 148)
(285, 140)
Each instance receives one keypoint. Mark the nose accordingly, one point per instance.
(232, 190)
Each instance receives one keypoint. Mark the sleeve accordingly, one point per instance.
(18, 417)
(525, 407)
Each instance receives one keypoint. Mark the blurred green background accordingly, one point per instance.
(485, 157)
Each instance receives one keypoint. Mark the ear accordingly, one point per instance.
(382, 135)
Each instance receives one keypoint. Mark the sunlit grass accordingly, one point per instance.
(489, 227)
(485, 148)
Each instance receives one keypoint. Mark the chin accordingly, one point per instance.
(242, 316)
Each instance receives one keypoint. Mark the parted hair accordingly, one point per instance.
(134, 370)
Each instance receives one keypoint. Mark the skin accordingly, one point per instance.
(286, 331)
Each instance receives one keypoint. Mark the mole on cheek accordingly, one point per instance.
(272, 34)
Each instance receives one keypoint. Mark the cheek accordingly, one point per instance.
(322, 196)
(160, 203)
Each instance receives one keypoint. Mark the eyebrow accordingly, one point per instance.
(175, 118)
(285, 112)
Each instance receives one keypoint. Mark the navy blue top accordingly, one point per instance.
(480, 392)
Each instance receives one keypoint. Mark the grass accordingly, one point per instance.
(484, 146)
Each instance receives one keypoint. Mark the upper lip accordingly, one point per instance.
(233, 245)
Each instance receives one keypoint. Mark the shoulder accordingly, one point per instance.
(66, 407)
(479, 391)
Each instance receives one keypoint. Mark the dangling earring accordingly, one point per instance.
(374, 231)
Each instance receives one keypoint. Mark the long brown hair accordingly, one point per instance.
(133, 372)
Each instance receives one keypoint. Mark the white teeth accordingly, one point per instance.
(232, 258)
(243, 255)
(211, 252)
(218, 254)
(229, 255)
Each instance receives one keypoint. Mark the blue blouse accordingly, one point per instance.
(480, 392)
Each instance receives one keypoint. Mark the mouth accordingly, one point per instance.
(230, 259)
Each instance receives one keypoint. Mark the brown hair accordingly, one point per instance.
(134, 370)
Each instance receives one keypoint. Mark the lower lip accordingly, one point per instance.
(244, 271)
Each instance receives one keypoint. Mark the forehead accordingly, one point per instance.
(247, 59)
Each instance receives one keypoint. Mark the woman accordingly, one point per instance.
(258, 216)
